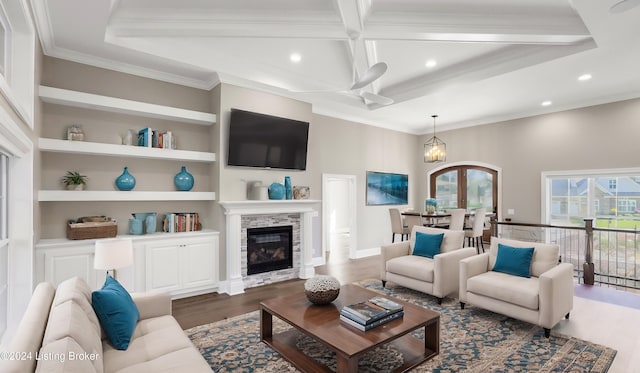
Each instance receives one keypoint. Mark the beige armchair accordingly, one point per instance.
(542, 299)
(438, 276)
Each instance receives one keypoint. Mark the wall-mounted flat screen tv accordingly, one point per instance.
(265, 141)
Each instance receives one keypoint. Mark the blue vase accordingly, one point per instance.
(150, 223)
(126, 181)
(287, 188)
(276, 191)
(135, 226)
(183, 180)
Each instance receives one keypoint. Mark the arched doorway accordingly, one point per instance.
(466, 185)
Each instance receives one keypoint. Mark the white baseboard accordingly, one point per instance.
(367, 252)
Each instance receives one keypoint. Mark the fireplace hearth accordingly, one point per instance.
(269, 249)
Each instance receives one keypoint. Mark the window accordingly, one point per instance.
(465, 186)
(626, 206)
(17, 57)
(3, 196)
(4, 244)
(611, 197)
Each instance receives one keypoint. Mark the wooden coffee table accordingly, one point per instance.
(323, 324)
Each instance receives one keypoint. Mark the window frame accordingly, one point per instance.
(462, 182)
(547, 176)
(17, 80)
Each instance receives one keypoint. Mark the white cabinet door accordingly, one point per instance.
(60, 267)
(181, 264)
(163, 266)
(200, 263)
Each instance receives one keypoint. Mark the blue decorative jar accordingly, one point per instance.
(287, 188)
(183, 180)
(126, 181)
(276, 191)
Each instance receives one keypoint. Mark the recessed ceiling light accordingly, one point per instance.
(546, 103)
(431, 63)
(584, 77)
(295, 57)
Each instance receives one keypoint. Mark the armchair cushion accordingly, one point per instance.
(516, 290)
(427, 245)
(416, 267)
(514, 261)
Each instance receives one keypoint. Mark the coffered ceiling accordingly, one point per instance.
(494, 59)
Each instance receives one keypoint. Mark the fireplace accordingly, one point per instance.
(269, 249)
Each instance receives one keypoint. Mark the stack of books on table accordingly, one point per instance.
(371, 313)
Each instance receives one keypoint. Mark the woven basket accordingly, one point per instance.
(89, 230)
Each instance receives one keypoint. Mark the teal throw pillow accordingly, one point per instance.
(427, 244)
(116, 311)
(514, 260)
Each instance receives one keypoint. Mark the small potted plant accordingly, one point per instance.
(74, 180)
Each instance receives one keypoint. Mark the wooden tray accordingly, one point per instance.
(91, 229)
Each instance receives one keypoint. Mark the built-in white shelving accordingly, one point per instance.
(114, 150)
(91, 101)
(110, 195)
(67, 97)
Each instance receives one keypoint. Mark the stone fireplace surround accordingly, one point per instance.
(243, 214)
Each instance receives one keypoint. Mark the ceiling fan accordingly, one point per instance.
(623, 6)
(372, 74)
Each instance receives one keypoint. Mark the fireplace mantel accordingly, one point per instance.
(234, 210)
(271, 206)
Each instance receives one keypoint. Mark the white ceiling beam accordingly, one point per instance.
(352, 22)
(228, 29)
(528, 28)
(508, 59)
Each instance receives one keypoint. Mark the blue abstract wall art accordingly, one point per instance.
(387, 188)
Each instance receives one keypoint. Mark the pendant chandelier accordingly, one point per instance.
(435, 150)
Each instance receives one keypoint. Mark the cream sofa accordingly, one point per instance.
(60, 332)
(543, 299)
(437, 276)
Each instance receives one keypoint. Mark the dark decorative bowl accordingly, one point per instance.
(322, 289)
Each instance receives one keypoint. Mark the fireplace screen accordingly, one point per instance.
(269, 249)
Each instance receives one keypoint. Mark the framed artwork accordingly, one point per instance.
(387, 189)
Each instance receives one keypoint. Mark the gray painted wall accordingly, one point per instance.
(597, 137)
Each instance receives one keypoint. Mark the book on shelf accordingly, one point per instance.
(371, 310)
(181, 222)
(365, 327)
(145, 137)
(151, 138)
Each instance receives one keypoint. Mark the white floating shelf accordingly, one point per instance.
(96, 195)
(118, 105)
(114, 150)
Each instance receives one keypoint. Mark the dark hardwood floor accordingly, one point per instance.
(205, 309)
(208, 308)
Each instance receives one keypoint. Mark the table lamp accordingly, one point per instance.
(113, 254)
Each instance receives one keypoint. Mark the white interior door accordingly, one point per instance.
(339, 216)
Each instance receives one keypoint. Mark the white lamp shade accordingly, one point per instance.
(113, 254)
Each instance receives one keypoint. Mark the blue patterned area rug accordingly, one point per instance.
(471, 340)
